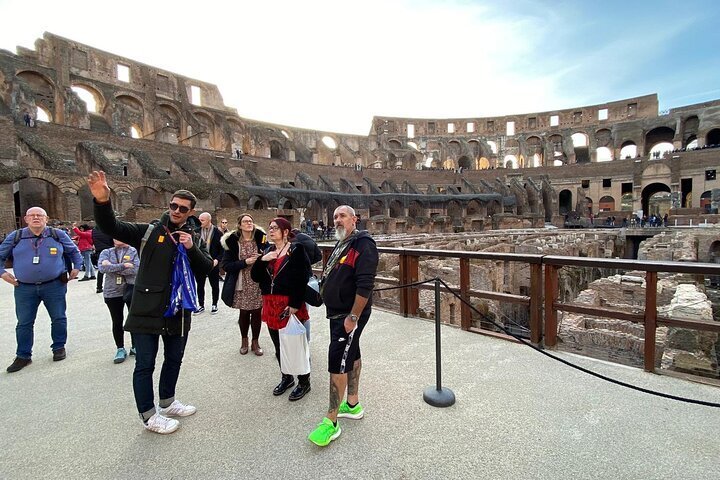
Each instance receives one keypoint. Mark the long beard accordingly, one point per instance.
(340, 233)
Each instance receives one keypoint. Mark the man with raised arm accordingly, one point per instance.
(347, 284)
(157, 245)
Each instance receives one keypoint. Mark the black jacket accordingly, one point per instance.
(152, 284)
(232, 264)
(101, 241)
(215, 248)
(291, 280)
(353, 274)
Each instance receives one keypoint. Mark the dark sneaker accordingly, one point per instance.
(213, 309)
(18, 364)
(199, 310)
(299, 392)
(59, 354)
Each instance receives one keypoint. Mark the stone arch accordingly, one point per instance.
(706, 200)
(42, 87)
(606, 204)
(42, 192)
(394, 144)
(603, 138)
(376, 208)
(145, 195)
(565, 202)
(396, 209)
(510, 161)
(658, 135)
(228, 200)
(167, 115)
(603, 154)
(555, 143)
(690, 127)
(454, 210)
(713, 137)
(474, 208)
(206, 134)
(100, 102)
(657, 205)
(581, 145)
(475, 148)
(628, 149)
(535, 151)
(483, 163)
(416, 209)
(330, 207)
(409, 161)
(465, 163)
(313, 210)
(129, 112)
(277, 150)
(454, 148)
(287, 203)
(257, 202)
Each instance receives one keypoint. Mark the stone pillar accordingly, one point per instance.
(72, 202)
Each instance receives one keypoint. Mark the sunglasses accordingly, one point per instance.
(181, 208)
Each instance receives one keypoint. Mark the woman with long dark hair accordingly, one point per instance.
(282, 273)
(242, 248)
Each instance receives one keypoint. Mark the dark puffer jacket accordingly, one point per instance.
(232, 264)
(153, 281)
(291, 280)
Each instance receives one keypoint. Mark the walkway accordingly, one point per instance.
(518, 414)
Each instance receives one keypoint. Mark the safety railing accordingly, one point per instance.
(543, 299)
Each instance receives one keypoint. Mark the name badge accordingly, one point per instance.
(118, 280)
(36, 260)
(161, 238)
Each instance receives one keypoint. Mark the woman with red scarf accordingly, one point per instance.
(282, 273)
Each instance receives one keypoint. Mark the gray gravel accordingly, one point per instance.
(518, 414)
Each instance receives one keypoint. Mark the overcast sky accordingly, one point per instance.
(332, 65)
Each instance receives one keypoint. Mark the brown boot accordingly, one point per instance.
(244, 347)
(256, 348)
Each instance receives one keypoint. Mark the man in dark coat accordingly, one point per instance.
(210, 236)
(101, 241)
(157, 244)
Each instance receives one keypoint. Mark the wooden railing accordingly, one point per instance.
(543, 302)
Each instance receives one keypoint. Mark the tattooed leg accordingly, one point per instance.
(354, 382)
(338, 382)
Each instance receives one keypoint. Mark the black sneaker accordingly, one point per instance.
(59, 354)
(199, 310)
(299, 392)
(18, 364)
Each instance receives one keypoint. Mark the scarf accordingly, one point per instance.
(338, 252)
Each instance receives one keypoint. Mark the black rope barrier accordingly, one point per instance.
(537, 349)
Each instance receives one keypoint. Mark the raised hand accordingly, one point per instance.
(98, 186)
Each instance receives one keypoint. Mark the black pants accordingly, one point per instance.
(275, 336)
(214, 277)
(250, 318)
(116, 305)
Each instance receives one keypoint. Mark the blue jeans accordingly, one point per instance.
(87, 260)
(146, 348)
(27, 301)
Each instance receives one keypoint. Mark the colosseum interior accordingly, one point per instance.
(544, 182)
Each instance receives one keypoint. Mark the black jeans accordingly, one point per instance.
(146, 348)
(214, 277)
(116, 305)
(275, 336)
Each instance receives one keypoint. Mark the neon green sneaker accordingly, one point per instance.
(356, 413)
(325, 433)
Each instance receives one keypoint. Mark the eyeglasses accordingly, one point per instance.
(273, 227)
(181, 208)
(223, 222)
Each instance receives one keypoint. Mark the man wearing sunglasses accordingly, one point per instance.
(157, 245)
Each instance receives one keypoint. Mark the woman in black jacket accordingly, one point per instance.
(283, 273)
(242, 248)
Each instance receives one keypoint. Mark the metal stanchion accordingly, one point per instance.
(438, 396)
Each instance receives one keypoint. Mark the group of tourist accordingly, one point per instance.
(266, 274)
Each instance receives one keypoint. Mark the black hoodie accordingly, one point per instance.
(353, 274)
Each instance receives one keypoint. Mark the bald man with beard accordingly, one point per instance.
(210, 235)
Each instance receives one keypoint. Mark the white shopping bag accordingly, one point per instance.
(294, 348)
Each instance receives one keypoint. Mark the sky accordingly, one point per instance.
(334, 64)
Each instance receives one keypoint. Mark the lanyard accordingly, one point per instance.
(121, 256)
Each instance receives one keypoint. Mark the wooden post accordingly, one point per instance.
(403, 281)
(413, 275)
(465, 312)
(650, 320)
(535, 302)
(552, 278)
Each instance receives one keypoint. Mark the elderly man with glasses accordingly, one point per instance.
(39, 275)
(157, 246)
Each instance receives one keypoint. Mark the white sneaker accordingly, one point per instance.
(213, 310)
(163, 425)
(177, 409)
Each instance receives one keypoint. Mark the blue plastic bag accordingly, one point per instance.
(183, 293)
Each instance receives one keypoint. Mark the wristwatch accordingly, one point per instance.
(353, 318)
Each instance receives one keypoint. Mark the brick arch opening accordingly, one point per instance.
(465, 163)
(38, 192)
(656, 199)
(93, 98)
(565, 202)
(228, 200)
(656, 136)
(396, 209)
(416, 210)
(43, 89)
(147, 196)
(376, 208)
(628, 149)
(277, 150)
(713, 137)
(257, 202)
(454, 211)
